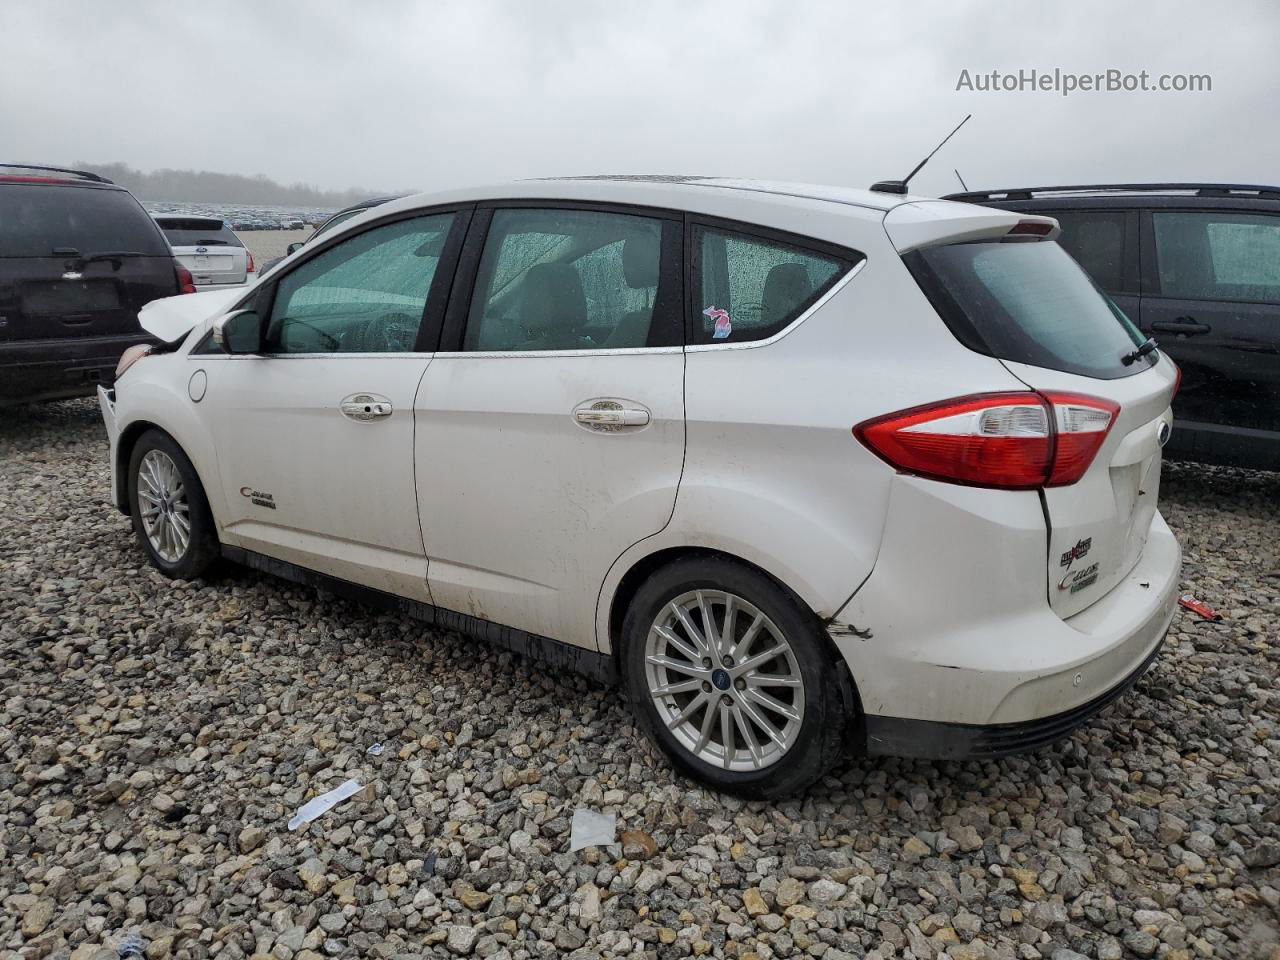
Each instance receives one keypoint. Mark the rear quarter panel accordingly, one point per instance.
(773, 473)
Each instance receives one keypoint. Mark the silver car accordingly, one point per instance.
(208, 248)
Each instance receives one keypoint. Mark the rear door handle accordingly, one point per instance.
(1186, 326)
(610, 415)
(363, 407)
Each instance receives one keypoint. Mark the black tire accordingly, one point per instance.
(202, 548)
(829, 698)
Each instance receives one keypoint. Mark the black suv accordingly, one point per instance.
(1197, 267)
(78, 258)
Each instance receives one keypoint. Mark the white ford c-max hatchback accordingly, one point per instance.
(804, 468)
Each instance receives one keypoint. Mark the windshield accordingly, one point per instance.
(36, 219)
(1027, 302)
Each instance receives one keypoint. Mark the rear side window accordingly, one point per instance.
(749, 288)
(1095, 238)
(197, 232)
(1027, 303)
(1218, 256)
(36, 219)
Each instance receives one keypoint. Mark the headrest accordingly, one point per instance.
(640, 259)
(553, 297)
(785, 288)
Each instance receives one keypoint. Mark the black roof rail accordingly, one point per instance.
(1201, 189)
(82, 174)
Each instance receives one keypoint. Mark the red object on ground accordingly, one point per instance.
(1195, 606)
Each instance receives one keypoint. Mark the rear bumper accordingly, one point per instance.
(34, 370)
(952, 643)
(899, 737)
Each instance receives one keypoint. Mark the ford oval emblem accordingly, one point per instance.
(202, 249)
(1164, 433)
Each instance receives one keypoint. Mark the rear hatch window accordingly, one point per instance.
(198, 232)
(1027, 302)
(81, 290)
(36, 219)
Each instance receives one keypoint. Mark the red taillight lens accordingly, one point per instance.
(1031, 228)
(249, 268)
(1080, 425)
(185, 282)
(1177, 382)
(1011, 441)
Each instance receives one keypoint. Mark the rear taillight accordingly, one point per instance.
(1031, 228)
(1011, 441)
(185, 282)
(249, 267)
(1177, 381)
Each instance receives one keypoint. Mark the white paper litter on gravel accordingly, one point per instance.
(323, 803)
(591, 829)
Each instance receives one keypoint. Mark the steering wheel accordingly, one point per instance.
(389, 333)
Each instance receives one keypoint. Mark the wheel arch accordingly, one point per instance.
(181, 426)
(642, 568)
(129, 438)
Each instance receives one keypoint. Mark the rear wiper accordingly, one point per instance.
(1148, 346)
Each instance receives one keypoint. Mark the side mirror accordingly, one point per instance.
(293, 247)
(239, 332)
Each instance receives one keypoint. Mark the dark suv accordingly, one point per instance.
(78, 258)
(1197, 267)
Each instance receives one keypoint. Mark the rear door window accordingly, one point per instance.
(36, 219)
(749, 288)
(198, 232)
(1095, 238)
(1030, 303)
(1218, 255)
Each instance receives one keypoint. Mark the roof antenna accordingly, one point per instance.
(900, 186)
(961, 179)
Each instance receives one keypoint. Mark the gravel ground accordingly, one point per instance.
(155, 738)
(267, 244)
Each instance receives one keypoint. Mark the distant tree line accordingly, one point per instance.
(205, 186)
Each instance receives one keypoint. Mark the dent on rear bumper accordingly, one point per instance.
(959, 634)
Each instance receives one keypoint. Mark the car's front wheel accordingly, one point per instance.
(170, 512)
(731, 678)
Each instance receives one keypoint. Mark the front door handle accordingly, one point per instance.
(363, 407)
(610, 415)
(1183, 326)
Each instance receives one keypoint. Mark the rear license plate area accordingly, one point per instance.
(70, 297)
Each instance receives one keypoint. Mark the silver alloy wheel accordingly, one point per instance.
(725, 680)
(162, 504)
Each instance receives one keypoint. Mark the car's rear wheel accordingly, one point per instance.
(731, 678)
(171, 515)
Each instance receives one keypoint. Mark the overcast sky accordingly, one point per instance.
(403, 94)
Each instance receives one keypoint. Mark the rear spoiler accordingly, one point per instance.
(927, 223)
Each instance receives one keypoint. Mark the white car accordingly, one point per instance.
(208, 247)
(805, 468)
